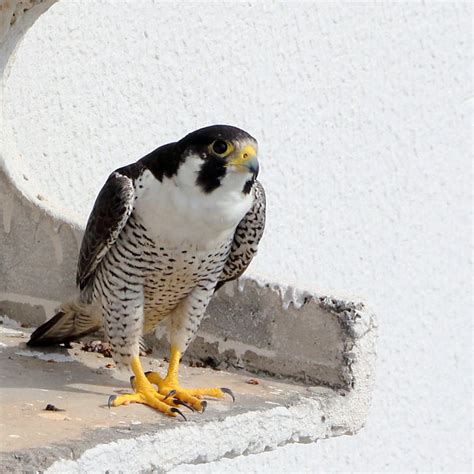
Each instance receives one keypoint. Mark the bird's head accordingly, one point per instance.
(219, 156)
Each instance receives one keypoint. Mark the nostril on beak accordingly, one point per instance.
(246, 155)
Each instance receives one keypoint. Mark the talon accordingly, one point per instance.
(148, 372)
(204, 405)
(179, 402)
(175, 410)
(111, 399)
(229, 392)
(132, 378)
(170, 394)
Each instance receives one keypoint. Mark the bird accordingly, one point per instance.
(164, 234)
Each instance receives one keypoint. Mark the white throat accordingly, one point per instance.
(178, 212)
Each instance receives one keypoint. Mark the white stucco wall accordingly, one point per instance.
(362, 114)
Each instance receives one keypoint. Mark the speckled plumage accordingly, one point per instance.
(164, 234)
(159, 282)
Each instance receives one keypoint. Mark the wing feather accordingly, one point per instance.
(111, 210)
(246, 238)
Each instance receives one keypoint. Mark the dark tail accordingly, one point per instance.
(71, 323)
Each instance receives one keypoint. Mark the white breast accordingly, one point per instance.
(177, 213)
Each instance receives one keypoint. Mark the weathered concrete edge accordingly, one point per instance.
(324, 413)
(192, 443)
(184, 444)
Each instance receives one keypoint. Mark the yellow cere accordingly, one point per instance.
(244, 156)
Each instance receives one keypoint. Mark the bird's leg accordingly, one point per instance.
(123, 316)
(170, 388)
(145, 393)
(184, 322)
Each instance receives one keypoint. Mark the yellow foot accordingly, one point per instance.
(146, 394)
(147, 397)
(191, 398)
(151, 398)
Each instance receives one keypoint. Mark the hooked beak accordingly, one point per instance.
(246, 160)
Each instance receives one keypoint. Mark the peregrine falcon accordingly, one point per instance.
(164, 234)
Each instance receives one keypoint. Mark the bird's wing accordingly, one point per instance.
(246, 238)
(111, 210)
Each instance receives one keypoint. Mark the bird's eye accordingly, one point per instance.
(219, 147)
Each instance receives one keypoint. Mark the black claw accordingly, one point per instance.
(171, 393)
(229, 392)
(132, 378)
(148, 372)
(204, 405)
(111, 399)
(175, 410)
(176, 401)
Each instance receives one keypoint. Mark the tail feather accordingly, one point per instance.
(72, 322)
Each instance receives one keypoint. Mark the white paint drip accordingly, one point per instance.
(289, 294)
(293, 296)
(49, 356)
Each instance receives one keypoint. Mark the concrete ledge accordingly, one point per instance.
(88, 437)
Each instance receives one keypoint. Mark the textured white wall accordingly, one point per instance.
(362, 114)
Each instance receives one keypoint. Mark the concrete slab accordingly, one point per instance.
(266, 414)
